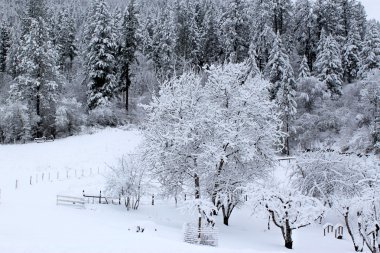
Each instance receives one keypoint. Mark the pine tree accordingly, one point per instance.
(278, 69)
(351, 54)
(128, 48)
(65, 40)
(187, 44)
(100, 56)
(210, 46)
(304, 36)
(163, 45)
(328, 65)
(370, 53)
(38, 82)
(280, 73)
(5, 44)
(304, 70)
(263, 35)
(235, 29)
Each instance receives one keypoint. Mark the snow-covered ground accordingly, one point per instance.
(30, 220)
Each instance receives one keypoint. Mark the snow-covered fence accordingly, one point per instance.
(71, 201)
(206, 235)
(101, 199)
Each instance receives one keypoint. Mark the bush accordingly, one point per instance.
(16, 124)
(69, 117)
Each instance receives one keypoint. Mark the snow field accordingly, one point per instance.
(30, 220)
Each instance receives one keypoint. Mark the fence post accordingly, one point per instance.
(16, 183)
(152, 199)
(119, 199)
(67, 174)
(42, 177)
(185, 196)
(100, 197)
(30, 180)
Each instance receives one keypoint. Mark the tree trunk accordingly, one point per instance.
(288, 236)
(127, 85)
(225, 220)
(198, 196)
(356, 247)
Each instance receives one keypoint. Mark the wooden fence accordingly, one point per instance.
(70, 201)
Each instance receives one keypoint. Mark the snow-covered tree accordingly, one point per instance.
(100, 56)
(328, 65)
(5, 44)
(370, 53)
(304, 70)
(242, 109)
(351, 55)
(236, 31)
(65, 40)
(288, 209)
(128, 179)
(128, 48)
(38, 83)
(202, 132)
(280, 73)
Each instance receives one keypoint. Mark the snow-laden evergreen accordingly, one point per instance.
(100, 56)
(328, 66)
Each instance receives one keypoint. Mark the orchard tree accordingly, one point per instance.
(197, 133)
(288, 209)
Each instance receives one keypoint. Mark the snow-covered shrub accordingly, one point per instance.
(288, 209)
(325, 173)
(310, 94)
(69, 117)
(16, 123)
(106, 115)
(128, 180)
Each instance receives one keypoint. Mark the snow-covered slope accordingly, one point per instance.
(30, 220)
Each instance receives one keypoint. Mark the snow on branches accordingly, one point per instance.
(288, 209)
(216, 132)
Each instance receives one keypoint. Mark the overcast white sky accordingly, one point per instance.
(372, 8)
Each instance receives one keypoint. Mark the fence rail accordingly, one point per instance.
(70, 201)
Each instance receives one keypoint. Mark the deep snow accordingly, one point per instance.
(30, 220)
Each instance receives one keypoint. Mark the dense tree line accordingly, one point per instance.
(104, 57)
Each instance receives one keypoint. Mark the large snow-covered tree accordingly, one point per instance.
(38, 82)
(128, 48)
(100, 56)
(280, 73)
(328, 65)
(370, 53)
(211, 132)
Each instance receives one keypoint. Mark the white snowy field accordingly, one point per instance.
(30, 220)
